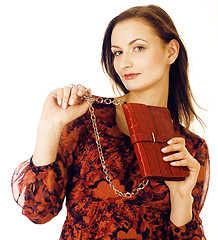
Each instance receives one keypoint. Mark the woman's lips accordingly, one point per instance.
(130, 76)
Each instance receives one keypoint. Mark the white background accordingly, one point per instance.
(49, 44)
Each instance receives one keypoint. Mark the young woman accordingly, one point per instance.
(146, 60)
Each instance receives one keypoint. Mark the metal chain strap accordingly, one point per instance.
(90, 100)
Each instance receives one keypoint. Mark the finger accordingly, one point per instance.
(173, 148)
(81, 90)
(175, 156)
(89, 91)
(180, 163)
(192, 164)
(77, 92)
(73, 95)
(66, 97)
(176, 140)
(185, 163)
(59, 92)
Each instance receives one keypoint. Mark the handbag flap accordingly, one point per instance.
(147, 123)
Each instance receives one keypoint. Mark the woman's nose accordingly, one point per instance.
(126, 61)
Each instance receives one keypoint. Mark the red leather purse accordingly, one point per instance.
(150, 128)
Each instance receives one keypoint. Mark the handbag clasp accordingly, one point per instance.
(154, 140)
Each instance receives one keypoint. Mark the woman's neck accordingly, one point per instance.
(154, 99)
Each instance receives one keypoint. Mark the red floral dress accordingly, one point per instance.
(94, 211)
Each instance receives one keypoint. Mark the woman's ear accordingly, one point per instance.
(173, 51)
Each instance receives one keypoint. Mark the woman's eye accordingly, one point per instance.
(117, 53)
(138, 48)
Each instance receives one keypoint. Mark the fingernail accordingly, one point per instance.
(64, 105)
(71, 102)
(164, 149)
(173, 163)
(165, 158)
(59, 102)
(170, 141)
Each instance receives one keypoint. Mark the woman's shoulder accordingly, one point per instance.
(187, 133)
(102, 102)
(101, 106)
(194, 142)
(104, 110)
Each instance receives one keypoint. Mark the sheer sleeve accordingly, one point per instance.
(194, 229)
(40, 191)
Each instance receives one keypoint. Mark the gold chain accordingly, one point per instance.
(90, 100)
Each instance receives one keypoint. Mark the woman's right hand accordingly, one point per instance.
(64, 105)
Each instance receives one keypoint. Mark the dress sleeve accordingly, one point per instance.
(194, 229)
(40, 191)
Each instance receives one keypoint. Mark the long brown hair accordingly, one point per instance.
(180, 98)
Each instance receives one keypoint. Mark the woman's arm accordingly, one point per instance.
(48, 138)
(60, 108)
(183, 210)
(39, 184)
(40, 190)
(181, 191)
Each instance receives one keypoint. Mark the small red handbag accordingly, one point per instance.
(150, 128)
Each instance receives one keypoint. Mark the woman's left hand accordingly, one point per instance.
(181, 157)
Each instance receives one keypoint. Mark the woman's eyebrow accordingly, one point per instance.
(133, 41)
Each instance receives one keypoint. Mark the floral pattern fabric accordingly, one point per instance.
(94, 211)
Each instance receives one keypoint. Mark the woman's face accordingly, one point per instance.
(140, 57)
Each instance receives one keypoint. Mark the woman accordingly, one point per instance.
(144, 57)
